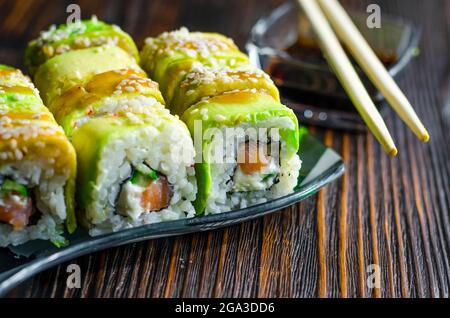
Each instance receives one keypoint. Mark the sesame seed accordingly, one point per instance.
(219, 117)
(18, 154)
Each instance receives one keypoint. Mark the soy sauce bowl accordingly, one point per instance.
(284, 45)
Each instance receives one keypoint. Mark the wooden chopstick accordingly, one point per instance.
(370, 63)
(347, 75)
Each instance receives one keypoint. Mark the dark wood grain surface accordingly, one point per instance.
(390, 212)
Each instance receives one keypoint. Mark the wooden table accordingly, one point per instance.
(390, 212)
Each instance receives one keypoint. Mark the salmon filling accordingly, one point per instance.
(251, 157)
(256, 168)
(156, 195)
(16, 207)
(146, 191)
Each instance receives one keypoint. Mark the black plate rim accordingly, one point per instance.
(15, 276)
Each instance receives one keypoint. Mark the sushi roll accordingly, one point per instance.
(37, 167)
(75, 36)
(246, 140)
(135, 160)
(170, 56)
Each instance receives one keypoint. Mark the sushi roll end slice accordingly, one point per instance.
(37, 167)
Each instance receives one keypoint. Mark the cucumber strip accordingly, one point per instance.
(143, 175)
(12, 186)
(269, 176)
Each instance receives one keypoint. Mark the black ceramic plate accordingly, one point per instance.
(321, 165)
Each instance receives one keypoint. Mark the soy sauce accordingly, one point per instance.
(306, 77)
(309, 50)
